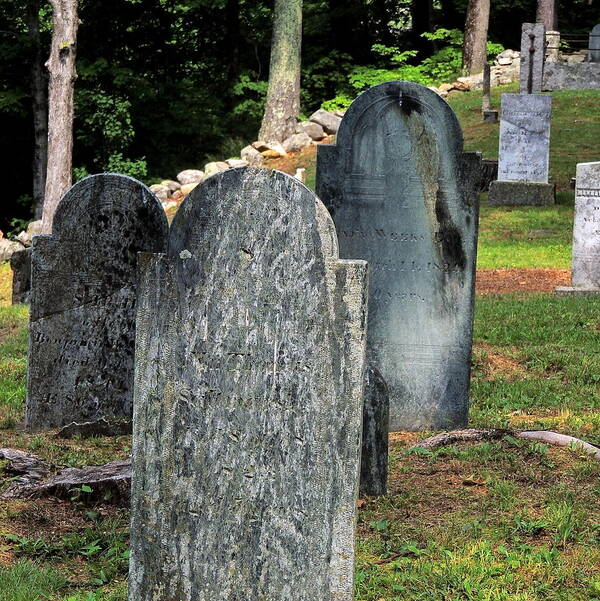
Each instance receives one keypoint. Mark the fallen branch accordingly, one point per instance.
(475, 435)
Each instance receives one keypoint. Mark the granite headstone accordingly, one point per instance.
(248, 399)
(595, 44)
(533, 52)
(524, 151)
(586, 233)
(404, 196)
(84, 283)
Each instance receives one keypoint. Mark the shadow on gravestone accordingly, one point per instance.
(84, 282)
(404, 196)
(248, 399)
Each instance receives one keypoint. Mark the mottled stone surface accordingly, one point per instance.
(586, 227)
(248, 408)
(572, 76)
(489, 173)
(376, 424)
(84, 282)
(403, 196)
(594, 44)
(20, 263)
(533, 52)
(505, 193)
(524, 137)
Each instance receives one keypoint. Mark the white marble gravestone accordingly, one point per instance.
(248, 404)
(585, 277)
(524, 151)
(595, 44)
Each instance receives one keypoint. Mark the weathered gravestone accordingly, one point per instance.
(586, 233)
(533, 52)
(524, 150)
(403, 196)
(489, 115)
(248, 399)
(595, 44)
(84, 280)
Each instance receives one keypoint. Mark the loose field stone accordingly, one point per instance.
(84, 288)
(248, 406)
(533, 51)
(586, 232)
(314, 130)
(297, 142)
(252, 155)
(403, 196)
(190, 176)
(328, 121)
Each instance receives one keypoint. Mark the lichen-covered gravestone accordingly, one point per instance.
(403, 196)
(84, 281)
(248, 400)
(524, 152)
(586, 233)
(533, 52)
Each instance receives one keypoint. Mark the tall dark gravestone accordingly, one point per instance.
(248, 399)
(84, 286)
(404, 196)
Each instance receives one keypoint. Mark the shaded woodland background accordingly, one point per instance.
(168, 85)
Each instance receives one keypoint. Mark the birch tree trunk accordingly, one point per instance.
(476, 28)
(39, 94)
(283, 94)
(61, 67)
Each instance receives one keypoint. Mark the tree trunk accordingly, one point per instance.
(476, 27)
(39, 94)
(283, 94)
(547, 14)
(61, 67)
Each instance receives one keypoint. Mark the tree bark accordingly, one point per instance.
(283, 94)
(39, 94)
(476, 28)
(61, 67)
(547, 14)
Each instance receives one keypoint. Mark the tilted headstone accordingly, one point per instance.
(595, 44)
(533, 51)
(404, 196)
(524, 151)
(586, 233)
(248, 399)
(84, 287)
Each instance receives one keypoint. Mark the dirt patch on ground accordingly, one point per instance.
(498, 365)
(503, 281)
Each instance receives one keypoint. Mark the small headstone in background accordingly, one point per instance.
(524, 151)
(248, 407)
(376, 424)
(489, 116)
(83, 295)
(20, 263)
(585, 278)
(533, 51)
(404, 196)
(552, 47)
(594, 44)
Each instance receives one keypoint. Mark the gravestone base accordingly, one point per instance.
(490, 116)
(532, 194)
(576, 291)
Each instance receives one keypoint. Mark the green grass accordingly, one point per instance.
(27, 581)
(511, 237)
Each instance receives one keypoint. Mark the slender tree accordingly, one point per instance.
(547, 14)
(283, 94)
(39, 95)
(476, 27)
(61, 67)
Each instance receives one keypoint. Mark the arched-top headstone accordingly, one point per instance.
(248, 406)
(403, 196)
(595, 44)
(84, 282)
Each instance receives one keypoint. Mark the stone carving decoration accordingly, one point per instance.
(403, 196)
(84, 282)
(248, 399)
